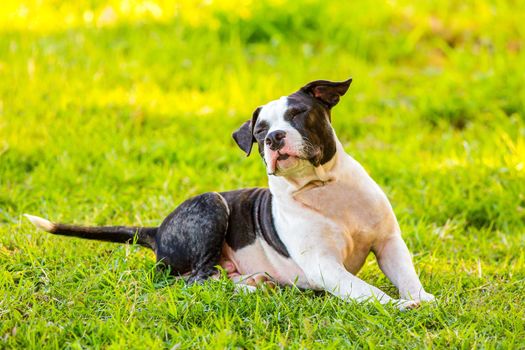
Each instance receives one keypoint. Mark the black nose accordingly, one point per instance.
(275, 140)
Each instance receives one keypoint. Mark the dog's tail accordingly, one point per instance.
(144, 236)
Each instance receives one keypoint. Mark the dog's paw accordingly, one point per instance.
(421, 296)
(405, 305)
(426, 297)
(245, 288)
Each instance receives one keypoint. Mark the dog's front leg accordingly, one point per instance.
(395, 261)
(327, 273)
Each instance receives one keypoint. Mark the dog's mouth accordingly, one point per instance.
(282, 156)
(281, 161)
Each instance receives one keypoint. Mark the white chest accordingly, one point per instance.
(343, 218)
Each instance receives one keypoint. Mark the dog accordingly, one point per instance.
(313, 227)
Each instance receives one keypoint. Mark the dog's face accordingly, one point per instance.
(294, 131)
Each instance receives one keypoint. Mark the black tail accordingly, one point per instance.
(144, 236)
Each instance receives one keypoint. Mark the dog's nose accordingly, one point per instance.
(275, 140)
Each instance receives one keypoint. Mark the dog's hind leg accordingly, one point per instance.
(190, 239)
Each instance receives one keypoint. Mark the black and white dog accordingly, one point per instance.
(314, 227)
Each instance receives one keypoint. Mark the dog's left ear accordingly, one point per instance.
(327, 92)
(244, 135)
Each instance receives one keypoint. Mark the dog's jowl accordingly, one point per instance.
(313, 227)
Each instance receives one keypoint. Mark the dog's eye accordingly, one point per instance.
(296, 111)
(259, 131)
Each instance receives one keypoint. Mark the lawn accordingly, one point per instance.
(114, 112)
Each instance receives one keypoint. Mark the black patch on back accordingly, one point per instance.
(251, 217)
(312, 120)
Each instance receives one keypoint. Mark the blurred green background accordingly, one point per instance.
(113, 112)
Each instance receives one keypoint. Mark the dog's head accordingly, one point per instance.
(294, 130)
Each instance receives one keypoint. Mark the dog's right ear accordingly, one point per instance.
(327, 92)
(244, 135)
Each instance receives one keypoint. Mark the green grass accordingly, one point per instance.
(114, 116)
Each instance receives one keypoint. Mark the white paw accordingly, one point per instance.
(405, 305)
(245, 288)
(419, 296)
(426, 297)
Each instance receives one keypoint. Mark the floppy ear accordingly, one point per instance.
(244, 135)
(327, 92)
